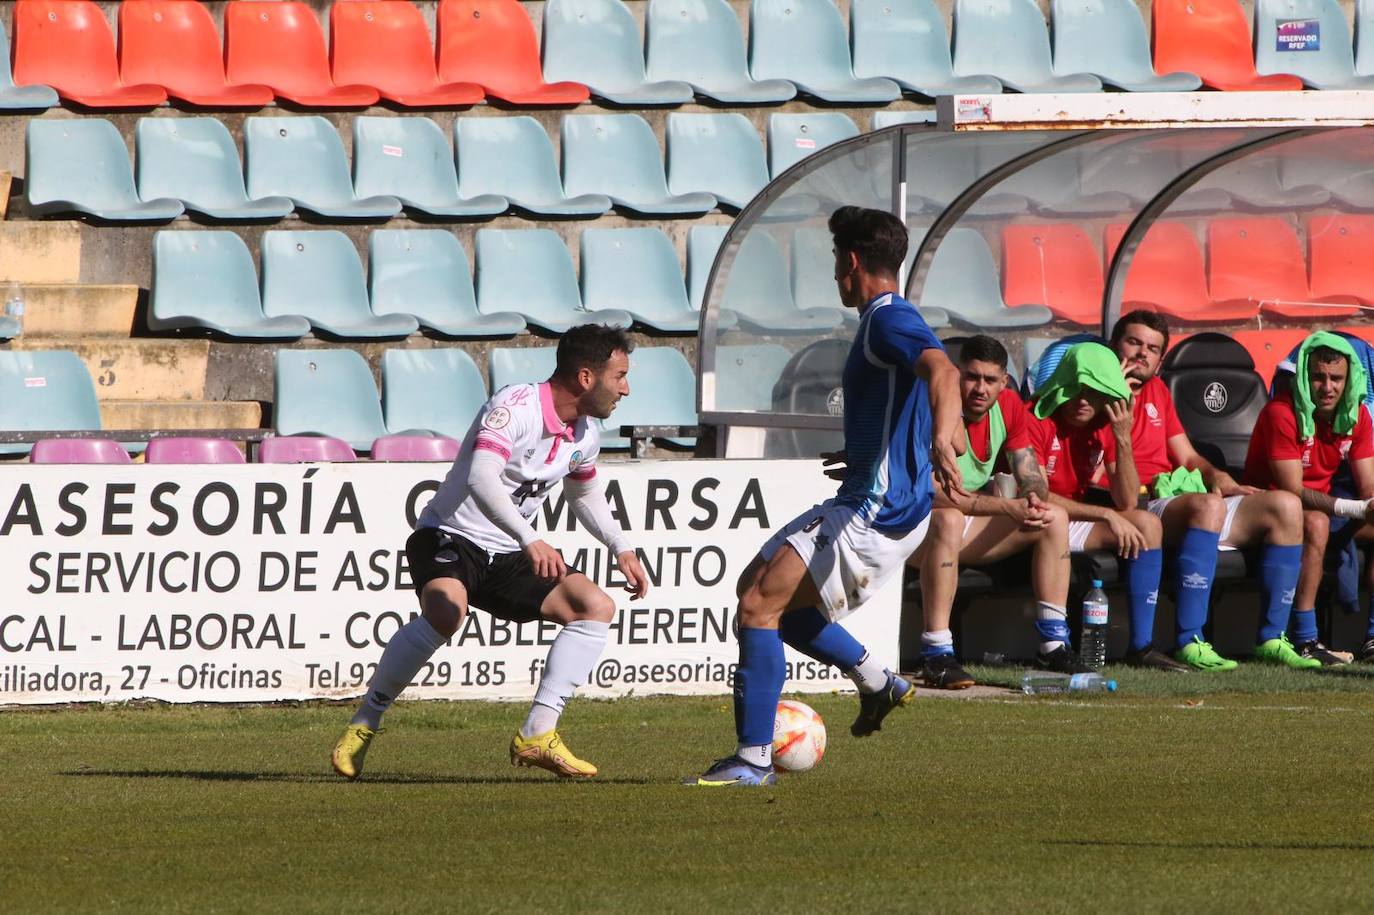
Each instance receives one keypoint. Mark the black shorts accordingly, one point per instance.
(503, 584)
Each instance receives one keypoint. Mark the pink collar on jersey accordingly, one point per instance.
(552, 424)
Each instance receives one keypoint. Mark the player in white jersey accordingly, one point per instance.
(473, 545)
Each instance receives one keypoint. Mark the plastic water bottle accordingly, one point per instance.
(1036, 683)
(1092, 644)
(14, 300)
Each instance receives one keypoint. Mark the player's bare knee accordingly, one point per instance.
(1056, 518)
(598, 607)
(747, 577)
(1148, 525)
(1207, 511)
(946, 526)
(440, 610)
(1286, 521)
(757, 611)
(1316, 528)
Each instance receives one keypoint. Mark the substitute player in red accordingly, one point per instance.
(474, 545)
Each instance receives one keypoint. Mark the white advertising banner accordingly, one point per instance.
(264, 582)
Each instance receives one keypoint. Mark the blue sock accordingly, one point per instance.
(1142, 593)
(1304, 626)
(1279, 567)
(808, 631)
(1053, 630)
(1197, 566)
(1369, 633)
(758, 685)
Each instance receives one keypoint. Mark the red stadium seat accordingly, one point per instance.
(67, 44)
(1057, 266)
(1212, 39)
(174, 44)
(1167, 275)
(1258, 259)
(1338, 249)
(1269, 347)
(491, 43)
(386, 45)
(280, 44)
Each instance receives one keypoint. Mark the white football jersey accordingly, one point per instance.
(518, 423)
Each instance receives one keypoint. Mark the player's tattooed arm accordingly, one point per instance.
(1287, 474)
(1025, 467)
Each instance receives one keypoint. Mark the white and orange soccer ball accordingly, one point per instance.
(798, 736)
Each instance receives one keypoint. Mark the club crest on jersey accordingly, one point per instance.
(498, 418)
(1152, 413)
(1345, 448)
(575, 460)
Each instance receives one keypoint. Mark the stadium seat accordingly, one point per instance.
(907, 43)
(1350, 183)
(78, 451)
(45, 390)
(636, 270)
(811, 272)
(1167, 275)
(1142, 170)
(526, 365)
(1008, 39)
(318, 276)
(175, 44)
(946, 171)
(1054, 186)
(793, 137)
(437, 391)
(13, 97)
(280, 44)
(302, 158)
(618, 155)
(757, 289)
(1364, 38)
(491, 43)
(206, 280)
(304, 449)
(716, 154)
(663, 392)
(963, 281)
(68, 45)
(425, 273)
(386, 45)
(196, 161)
(1217, 394)
(1057, 266)
(1212, 39)
(415, 448)
(803, 42)
(192, 450)
(81, 165)
(1107, 38)
(1339, 266)
(530, 272)
(1269, 347)
(883, 119)
(513, 157)
(1325, 61)
(703, 242)
(699, 42)
(596, 42)
(327, 392)
(746, 374)
(1260, 260)
(1253, 183)
(409, 158)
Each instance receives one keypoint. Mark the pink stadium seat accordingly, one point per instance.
(415, 448)
(67, 44)
(491, 43)
(1168, 275)
(174, 44)
(1056, 266)
(192, 450)
(300, 449)
(386, 45)
(78, 451)
(1212, 39)
(1259, 259)
(280, 44)
(1338, 257)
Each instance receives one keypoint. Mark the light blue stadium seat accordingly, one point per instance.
(941, 171)
(883, 119)
(663, 392)
(318, 275)
(1009, 39)
(757, 289)
(699, 42)
(717, 154)
(1107, 38)
(793, 137)
(1351, 186)
(1364, 37)
(703, 242)
(596, 42)
(431, 390)
(636, 270)
(1053, 185)
(963, 280)
(410, 159)
(14, 97)
(522, 365)
(81, 165)
(1326, 63)
(425, 273)
(746, 374)
(1141, 172)
(1253, 183)
(207, 280)
(803, 41)
(303, 158)
(906, 42)
(530, 272)
(813, 277)
(618, 155)
(513, 157)
(45, 390)
(196, 161)
(327, 392)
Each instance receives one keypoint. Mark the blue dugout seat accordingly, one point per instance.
(963, 280)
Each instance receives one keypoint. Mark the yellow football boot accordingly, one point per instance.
(548, 751)
(351, 749)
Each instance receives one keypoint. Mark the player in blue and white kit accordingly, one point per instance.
(474, 545)
(901, 423)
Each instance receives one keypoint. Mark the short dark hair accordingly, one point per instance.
(876, 236)
(984, 349)
(589, 346)
(1326, 355)
(1150, 319)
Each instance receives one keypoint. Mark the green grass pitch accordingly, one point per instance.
(1184, 793)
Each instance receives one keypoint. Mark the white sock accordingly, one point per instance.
(758, 756)
(409, 649)
(1047, 611)
(569, 663)
(938, 638)
(869, 676)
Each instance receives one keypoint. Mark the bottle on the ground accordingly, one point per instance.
(1036, 683)
(1092, 643)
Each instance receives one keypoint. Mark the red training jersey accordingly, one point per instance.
(1155, 422)
(1276, 439)
(1015, 417)
(1072, 457)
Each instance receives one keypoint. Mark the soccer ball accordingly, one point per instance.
(798, 736)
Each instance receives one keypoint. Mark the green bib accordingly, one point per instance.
(976, 473)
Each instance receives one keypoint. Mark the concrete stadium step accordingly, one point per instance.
(181, 414)
(40, 252)
(138, 369)
(53, 310)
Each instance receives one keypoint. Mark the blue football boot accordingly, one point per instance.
(733, 772)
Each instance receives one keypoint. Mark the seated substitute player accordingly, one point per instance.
(474, 545)
(1201, 506)
(831, 559)
(986, 527)
(1300, 439)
